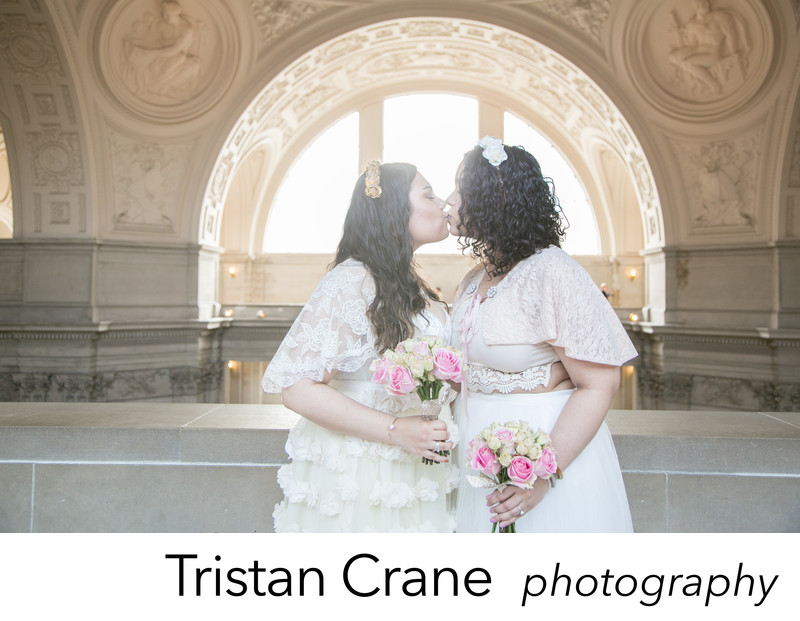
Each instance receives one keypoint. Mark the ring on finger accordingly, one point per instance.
(436, 448)
(521, 512)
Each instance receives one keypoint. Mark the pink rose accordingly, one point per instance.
(446, 365)
(508, 438)
(484, 460)
(520, 470)
(400, 381)
(546, 464)
(474, 445)
(380, 371)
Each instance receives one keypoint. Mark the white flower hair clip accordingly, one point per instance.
(493, 150)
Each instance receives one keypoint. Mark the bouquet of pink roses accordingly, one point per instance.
(511, 454)
(422, 366)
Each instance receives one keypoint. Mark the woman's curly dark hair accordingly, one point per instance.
(376, 233)
(508, 212)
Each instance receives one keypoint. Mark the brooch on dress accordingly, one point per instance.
(490, 292)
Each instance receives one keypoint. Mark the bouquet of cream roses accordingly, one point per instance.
(511, 454)
(422, 366)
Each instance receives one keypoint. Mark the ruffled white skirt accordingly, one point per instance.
(590, 498)
(339, 483)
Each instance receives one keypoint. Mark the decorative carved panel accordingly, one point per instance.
(274, 18)
(722, 181)
(29, 50)
(56, 158)
(147, 182)
(165, 60)
(587, 16)
(50, 153)
(699, 58)
(203, 384)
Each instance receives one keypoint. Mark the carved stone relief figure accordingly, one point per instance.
(276, 17)
(723, 182)
(146, 178)
(160, 62)
(589, 16)
(710, 51)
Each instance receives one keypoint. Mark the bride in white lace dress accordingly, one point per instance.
(540, 343)
(356, 453)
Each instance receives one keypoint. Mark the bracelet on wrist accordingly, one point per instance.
(392, 427)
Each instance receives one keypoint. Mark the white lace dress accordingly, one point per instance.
(340, 483)
(546, 300)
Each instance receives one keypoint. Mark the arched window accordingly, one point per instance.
(432, 131)
(6, 205)
(308, 211)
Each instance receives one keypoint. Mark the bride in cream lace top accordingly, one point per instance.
(356, 453)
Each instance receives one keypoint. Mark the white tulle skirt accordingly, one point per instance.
(590, 498)
(339, 483)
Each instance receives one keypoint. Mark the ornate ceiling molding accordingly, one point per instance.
(29, 50)
(275, 19)
(49, 152)
(385, 56)
(587, 16)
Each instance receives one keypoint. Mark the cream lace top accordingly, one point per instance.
(332, 333)
(546, 300)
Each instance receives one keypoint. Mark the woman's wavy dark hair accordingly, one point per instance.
(376, 233)
(508, 212)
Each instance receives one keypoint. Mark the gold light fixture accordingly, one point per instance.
(632, 273)
(232, 272)
(229, 312)
(633, 317)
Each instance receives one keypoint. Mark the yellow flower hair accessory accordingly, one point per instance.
(373, 179)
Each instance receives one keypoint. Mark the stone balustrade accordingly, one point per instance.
(163, 467)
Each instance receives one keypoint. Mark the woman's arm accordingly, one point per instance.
(583, 413)
(329, 408)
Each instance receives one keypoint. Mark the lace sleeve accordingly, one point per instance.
(575, 315)
(552, 299)
(332, 332)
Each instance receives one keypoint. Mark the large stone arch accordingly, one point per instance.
(412, 54)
